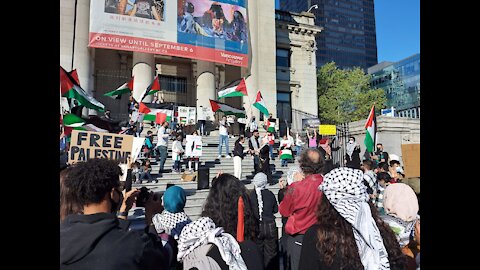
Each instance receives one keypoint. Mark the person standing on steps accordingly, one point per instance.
(162, 145)
(238, 155)
(223, 130)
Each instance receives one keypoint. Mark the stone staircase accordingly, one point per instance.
(196, 198)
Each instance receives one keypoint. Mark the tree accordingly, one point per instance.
(346, 95)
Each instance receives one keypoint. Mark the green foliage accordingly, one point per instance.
(345, 95)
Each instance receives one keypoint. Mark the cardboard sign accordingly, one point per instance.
(411, 159)
(327, 130)
(85, 145)
(193, 147)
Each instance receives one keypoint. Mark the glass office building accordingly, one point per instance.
(349, 35)
(401, 82)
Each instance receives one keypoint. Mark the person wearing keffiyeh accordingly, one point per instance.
(264, 207)
(173, 218)
(203, 232)
(351, 224)
(401, 209)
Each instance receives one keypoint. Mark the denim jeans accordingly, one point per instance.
(223, 139)
(284, 162)
(270, 146)
(176, 165)
(163, 157)
(146, 173)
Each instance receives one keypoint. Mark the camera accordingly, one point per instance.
(142, 197)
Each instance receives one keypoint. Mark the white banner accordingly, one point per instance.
(193, 147)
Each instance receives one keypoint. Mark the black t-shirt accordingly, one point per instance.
(270, 205)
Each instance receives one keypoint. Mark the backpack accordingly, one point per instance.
(198, 259)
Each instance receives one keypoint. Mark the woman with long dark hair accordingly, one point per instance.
(227, 206)
(349, 233)
(68, 205)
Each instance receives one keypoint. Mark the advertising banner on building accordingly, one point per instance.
(214, 31)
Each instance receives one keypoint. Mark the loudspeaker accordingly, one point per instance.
(203, 179)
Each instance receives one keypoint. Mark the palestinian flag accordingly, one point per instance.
(271, 126)
(286, 154)
(371, 129)
(90, 127)
(198, 147)
(235, 89)
(70, 89)
(124, 88)
(156, 115)
(154, 87)
(143, 108)
(260, 104)
(71, 120)
(226, 109)
(74, 75)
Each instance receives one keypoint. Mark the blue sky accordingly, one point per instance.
(398, 29)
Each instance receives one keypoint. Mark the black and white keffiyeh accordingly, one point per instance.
(260, 182)
(345, 190)
(351, 148)
(170, 223)
(203, 231)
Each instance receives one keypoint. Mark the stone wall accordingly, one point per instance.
(392, 132)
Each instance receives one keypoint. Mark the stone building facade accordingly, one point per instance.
(190, 82)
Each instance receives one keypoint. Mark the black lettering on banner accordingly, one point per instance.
(105, 153)
(87, 154)
(111, 153)
(97, 153)
(81, 155)
(93, 140)
(106, 141)
(82, 136)
(118, 142)
(73, 151)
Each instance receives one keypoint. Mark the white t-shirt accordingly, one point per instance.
(162, 137)
(223, 128)
(200, 115)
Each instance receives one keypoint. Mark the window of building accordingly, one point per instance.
(173, 84)
(283, 57)
(284, 109)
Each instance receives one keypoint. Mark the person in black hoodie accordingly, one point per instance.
(97, 239)
(238, 155)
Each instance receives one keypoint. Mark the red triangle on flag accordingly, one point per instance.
(143, 108)
(74, 75)
(214, 105)
(160, 118)
(242, 87)
(130, 84)
(259, 97)
(66, 81)
(156, 84)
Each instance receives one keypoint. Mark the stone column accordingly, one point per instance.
(261, 17)
(84, 57)
(205, 84)
(143, 70)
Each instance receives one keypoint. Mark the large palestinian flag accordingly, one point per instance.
(124, 88)
(260, 104)
(371, 128)
(154, 87)
(235, 89)
(158, 116)
(227, 109)
(70, 89)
